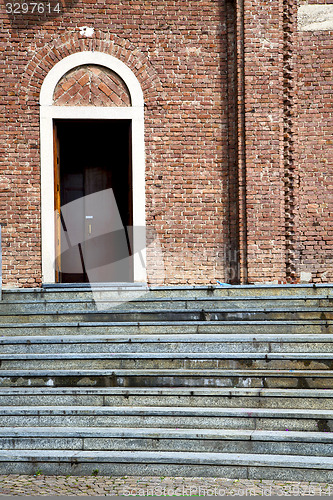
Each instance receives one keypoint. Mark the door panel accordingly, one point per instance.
(57, 219)
(105, 238)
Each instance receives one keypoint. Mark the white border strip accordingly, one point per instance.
(48, 113)
(97, 58)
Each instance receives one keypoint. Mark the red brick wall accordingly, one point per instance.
(314, 125)
(285, 144)
(179, 57)
(237, 132)
(263, 148)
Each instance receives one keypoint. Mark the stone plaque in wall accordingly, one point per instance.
(315, 17)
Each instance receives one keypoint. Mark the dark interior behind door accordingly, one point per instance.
(95, 158)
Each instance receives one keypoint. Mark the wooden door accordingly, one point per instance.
(57, 213)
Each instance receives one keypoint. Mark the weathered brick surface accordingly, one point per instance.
(314, 127)
(91, 85)
(223, 148)
(263, 57)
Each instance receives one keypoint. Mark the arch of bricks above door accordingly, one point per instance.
(91, 85)
(50, 54)
(79, 59)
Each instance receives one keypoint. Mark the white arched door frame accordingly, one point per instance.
(49, 112)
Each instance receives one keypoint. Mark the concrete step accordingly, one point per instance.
(189, 464)
(172, 315)
(168, 327)
(216, 381)
(312, 379)
(285, 420)
(156, 439)
(164, 343)
(159, 304)
(175, 396)
(176, 361)
(132, 292)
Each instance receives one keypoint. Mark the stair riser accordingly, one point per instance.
(75, 468)
(176, 364)
(169, 347)
(166, 316)
(114, 295)
(238, 305)
(160, 444)
(179, 422)
(292, 382)
(165, 400)
(160, 329)
(169, 292)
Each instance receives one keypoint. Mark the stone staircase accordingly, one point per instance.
(233, 381)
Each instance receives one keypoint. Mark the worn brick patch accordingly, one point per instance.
(91, 85)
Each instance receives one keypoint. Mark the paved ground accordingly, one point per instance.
(154, 486)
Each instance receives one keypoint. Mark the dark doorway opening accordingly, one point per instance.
(93, 200)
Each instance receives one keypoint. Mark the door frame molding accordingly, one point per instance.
(134, 113)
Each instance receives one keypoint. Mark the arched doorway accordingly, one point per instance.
(92, 172)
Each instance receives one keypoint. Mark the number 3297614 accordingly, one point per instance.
(32, 8)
